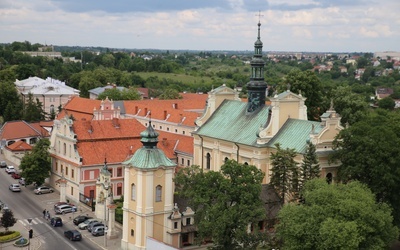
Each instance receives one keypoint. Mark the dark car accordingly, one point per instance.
(15, 175)
(56, 222)
(81, 218)
(73, 235)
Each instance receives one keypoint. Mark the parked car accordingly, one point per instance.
(15, 187)
(73, 235)
(10, 169)
(22, 181)
(63, 209)
(43, 190)
(81, 218)
(56, 222)
(62, 203)
(3, 164)
(15, 175)
(97, 231)
(93, 225)
(84, 224)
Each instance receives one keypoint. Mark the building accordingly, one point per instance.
(248, 132)
(52, 93)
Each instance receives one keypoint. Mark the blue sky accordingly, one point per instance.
(287, 25)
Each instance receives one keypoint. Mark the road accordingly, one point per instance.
(26, 205)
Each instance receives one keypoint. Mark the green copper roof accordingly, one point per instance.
(231, 122)
(294, 134)
(149, 158)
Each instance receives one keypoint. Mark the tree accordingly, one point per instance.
(310, 166)
(36, 165)
(33, 112)
(308, 84)
(351, 106)
(387, 103)
(169, 94)
(342, 216)
(368, 151)
(285, 173)
(8, 94)
(8, 220)
(225, 202)
(112, 94)
(131, 94)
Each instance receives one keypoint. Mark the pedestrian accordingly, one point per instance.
(48, 215)
(44, 213)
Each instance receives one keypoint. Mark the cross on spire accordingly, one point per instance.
(259, 15)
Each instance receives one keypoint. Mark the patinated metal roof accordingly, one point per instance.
(230, 122)
(294, 134)
(149, 158)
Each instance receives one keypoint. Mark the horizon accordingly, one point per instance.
(362, 26)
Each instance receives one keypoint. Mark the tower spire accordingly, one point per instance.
(256, 86)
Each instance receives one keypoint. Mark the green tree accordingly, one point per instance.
(342, 216)
(33, 112)
(308, 84)
(285, 173)
(225, 202)
(36, 165)
(8, 94)
(368, 151)
(351, 106)
(170, 94)
(310, 166)
(112, 94)
(386, 103)
(131, 94)
(8, 220)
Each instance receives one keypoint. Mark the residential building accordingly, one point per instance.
(52, 93)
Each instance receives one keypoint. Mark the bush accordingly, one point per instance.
(9, 236)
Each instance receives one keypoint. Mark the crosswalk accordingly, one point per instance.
(34, 221)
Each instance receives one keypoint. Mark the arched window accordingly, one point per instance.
(329, 178)
(133, 192)
(246, 163)
(158, 193)
(208, 161)
(226, 159)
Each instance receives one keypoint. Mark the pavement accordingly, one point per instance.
(48, 201)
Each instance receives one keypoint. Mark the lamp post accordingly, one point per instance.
(30, 228)
(106, 186)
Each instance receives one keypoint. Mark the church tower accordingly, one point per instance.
(257, 86)
(148, 196)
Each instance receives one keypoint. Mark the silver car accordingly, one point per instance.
(15, 187)
(43, 190)
(63, 209)
(84, 224)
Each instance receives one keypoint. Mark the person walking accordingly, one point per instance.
(44, 213)
(48, 215)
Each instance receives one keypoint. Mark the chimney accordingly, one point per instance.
(165, 115)
(136, 109)
(175, 105)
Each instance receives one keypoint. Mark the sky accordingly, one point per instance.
(286, 25)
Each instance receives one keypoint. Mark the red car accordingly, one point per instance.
(15, 176)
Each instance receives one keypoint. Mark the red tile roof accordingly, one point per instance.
(19, 146)
(20, 129)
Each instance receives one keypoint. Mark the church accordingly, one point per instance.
(228, 129)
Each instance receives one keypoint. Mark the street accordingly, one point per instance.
(26, 205)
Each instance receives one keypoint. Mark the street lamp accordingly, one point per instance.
(106, 186)
(30, 232)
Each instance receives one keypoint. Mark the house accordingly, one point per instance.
(382, 92)
(18, 137)
(52, 93)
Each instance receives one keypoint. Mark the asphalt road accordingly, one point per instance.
(27, 205)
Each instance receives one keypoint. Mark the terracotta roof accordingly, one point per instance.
(115, 139)
(40, 126)
(82, 105)
(21, 129)
(19, 146)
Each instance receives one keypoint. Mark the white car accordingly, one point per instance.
(63, 209)
(84, 224)
(10, 169)
(15, 187)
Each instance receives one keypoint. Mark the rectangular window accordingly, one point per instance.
(91, 175)
(72, 173)
(183, 132)
(56, 166)
(119, 190)
(183, 161)
(188, 162)
(66, 170)
(110, 170)
(175, 225)
(158, 193)
(119, 172)
(187, 221)
(72, 191)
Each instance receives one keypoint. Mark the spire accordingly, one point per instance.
(104, 170)
(256, 86)
(149, 137)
